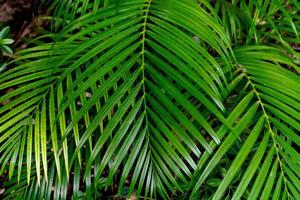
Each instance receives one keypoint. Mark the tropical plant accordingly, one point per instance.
(5, 40)
(173, 99)
(5, 49)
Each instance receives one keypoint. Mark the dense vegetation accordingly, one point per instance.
(159, 99)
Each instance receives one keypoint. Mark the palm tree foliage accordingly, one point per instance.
(162, 99)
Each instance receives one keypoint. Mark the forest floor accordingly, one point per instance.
(23, 18)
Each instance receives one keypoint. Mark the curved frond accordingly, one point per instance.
(156, 99)
(122, 85)
(265, 138)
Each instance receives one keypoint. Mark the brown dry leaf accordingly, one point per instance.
(132, 197)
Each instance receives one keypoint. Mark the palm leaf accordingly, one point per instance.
(103, 95)
(268, 129)
(157, 97)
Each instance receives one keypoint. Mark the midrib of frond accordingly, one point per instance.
(143, 58)
(268, 124)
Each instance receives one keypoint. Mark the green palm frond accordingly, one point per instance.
(65, 11)
(264, 22)
(158, 99)
(121, 86)
(266, 133)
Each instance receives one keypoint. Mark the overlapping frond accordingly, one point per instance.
(261, 152)
(123, 91)
(261, 22)
(147, 98)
